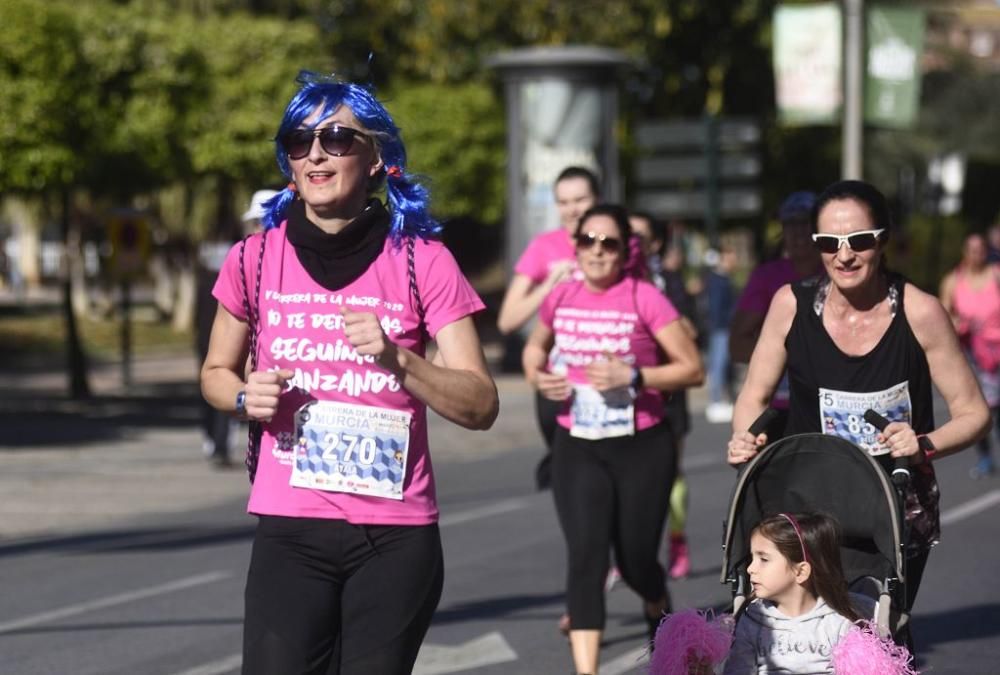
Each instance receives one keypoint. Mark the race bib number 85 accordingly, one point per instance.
(842, 413)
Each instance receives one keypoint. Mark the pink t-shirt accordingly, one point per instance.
(555, 246)
(302, 330)
(763, 283)
(621, 320)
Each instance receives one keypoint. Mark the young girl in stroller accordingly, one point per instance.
(800, 617)
(800, 607)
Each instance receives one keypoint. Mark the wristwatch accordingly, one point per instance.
(637, 380)
(241, 402)
(927, 446)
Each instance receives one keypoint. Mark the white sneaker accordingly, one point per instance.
(719, 413)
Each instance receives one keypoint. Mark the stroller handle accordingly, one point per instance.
(761, 424)
(900, 465)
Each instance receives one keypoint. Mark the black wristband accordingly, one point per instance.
(637, 380)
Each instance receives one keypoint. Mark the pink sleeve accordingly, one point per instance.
(533, 263)
(228, 289)
(654, 308)
(755, 297)
(445, 292)
(547, 311)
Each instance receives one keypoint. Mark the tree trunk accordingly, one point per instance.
(76, 359)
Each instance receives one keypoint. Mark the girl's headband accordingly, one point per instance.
(798, 533)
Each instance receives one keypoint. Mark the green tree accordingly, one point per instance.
(43, 78)
(452, 135)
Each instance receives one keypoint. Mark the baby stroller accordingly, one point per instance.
(818, 472)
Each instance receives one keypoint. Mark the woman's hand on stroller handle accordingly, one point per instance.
(743, 446)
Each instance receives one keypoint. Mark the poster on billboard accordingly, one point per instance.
(892, 83)
(808, 63)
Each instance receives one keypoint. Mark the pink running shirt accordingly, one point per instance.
(555, 246)
(763, 283)
(302, 331)
(621, 320)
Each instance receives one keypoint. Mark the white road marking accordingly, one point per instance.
(971, 507)
(112, 600)
(494, 509)
(630, 661)
(486, 650)
(227, 665)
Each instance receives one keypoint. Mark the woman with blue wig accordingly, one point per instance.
(319, 341)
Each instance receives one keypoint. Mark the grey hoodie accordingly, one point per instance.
(767, 641)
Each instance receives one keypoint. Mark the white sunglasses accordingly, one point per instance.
(856, 241)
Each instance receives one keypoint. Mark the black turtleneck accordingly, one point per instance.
(335, 260)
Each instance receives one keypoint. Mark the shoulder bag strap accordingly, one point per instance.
(253, 323)
(414, 289)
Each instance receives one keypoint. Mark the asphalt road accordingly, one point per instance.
(152, 584)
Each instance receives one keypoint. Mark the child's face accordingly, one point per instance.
(771, 574)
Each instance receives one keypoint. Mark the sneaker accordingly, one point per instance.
(984, 468)
(719, 413)
(614, 576)
(680, 561)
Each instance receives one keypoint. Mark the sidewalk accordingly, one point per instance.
(68, 466)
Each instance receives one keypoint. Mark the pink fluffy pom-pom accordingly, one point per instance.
(862, 652)
(690, 641)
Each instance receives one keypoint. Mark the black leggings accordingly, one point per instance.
(546, 412)
(325, 597)
(612, 492)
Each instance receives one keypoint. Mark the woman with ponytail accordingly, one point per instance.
(319, 341)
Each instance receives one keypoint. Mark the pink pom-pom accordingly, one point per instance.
(690, 641)
(863, 652)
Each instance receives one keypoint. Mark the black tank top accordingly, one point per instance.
(830, 391)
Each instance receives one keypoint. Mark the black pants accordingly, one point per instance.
(915, 566)
(612, 493)
(325, 597)
(546, 412)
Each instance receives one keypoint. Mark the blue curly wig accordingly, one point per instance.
(408, 199)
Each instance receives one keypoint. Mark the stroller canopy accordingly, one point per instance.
(817, 472)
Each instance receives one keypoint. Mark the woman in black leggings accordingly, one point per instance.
(619, 346)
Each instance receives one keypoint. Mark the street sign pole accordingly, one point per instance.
(851, 152)
(126, 332)
(712, 180)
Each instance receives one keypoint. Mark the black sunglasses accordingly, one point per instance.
(857, 241)
(335, 140)
(587, 240)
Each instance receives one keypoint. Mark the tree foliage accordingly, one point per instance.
(42, 78)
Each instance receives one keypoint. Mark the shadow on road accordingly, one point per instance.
(494, 608)
(957, 625)
(131, 625)
(133, 540)
(32, 418)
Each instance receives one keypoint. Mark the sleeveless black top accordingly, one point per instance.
(831, 390)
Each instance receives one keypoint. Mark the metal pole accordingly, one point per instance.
(851, 165)
(713, 192)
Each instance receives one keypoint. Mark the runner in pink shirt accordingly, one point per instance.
(605, 349)
(549, 260)
(334, 302)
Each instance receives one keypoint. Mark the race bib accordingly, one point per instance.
(358, 449)
(842, 413)
(602, 414)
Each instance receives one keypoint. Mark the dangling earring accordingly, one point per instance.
(291, 187)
